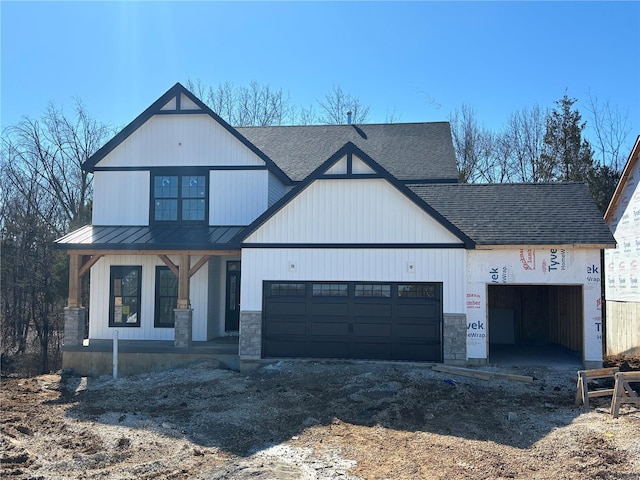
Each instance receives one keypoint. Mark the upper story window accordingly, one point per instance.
(179, 198)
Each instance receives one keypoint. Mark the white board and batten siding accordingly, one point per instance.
(121, 198)
(181, 140)
(277, 189)
(366, 265)
(237, 197)
(534, 266)
(99, 308)
(351, 212)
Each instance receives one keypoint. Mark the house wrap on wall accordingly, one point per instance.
(622, 290)
(333, 241)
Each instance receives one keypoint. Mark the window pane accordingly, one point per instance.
(288, 289)
(193, 186)
(124, 301)
(372, 290)
(166, 210)
(165, 186)
(166, 297)
(193, 210)
(417, 291)
(329, 290)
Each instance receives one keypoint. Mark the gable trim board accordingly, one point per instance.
(155, 108)
(320, 174)
(634, 157)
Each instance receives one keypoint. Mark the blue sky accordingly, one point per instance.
(419, 59)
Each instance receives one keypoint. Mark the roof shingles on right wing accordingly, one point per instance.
(408, 151)
(520, 214)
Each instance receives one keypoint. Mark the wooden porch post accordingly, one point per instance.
(183, 282)
(74, 300)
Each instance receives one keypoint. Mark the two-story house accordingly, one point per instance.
(333, 241)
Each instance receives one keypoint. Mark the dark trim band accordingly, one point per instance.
(405, 246)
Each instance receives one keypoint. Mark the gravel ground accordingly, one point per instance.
(312, 420)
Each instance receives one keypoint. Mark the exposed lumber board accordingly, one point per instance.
(172, 266)
(88, 264)
(198, 265)
(183, 282)
(74, 300)
(481, 374)
(461, 371)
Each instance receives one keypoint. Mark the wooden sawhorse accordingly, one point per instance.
(622, 391)
(583, 394)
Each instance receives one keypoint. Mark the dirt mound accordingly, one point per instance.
(312, 420)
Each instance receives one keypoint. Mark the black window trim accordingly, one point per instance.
(156, 312)
(112, 270)
(178, 172)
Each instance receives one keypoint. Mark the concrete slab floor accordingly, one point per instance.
(538, 355)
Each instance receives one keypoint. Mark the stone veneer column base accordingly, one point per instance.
(183, 327)
(250, 341)
(454, 339)
(74, 320)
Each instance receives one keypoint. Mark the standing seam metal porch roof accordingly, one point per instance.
(174, 237)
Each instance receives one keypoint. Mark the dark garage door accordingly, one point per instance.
(366, 320)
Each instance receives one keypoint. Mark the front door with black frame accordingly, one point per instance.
(232, 315)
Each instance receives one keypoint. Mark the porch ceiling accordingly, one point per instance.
(164, 238)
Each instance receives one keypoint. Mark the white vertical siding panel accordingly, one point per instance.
(172, 140)
(237, 197)
(198, 287)
(276, 189)
(380, 265)
(99, 308)
(352, 211)
(121, 198)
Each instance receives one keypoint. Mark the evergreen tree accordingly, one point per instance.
(566, 155)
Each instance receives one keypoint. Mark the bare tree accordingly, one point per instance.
(242, 106)
(474, 146)
(524, 136)
(336, 104)
(45, 194)
(610, 132)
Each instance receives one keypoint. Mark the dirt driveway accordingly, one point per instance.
(312, 420)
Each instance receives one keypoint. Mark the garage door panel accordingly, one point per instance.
(372, 310)
(329, 349)
(417, 310)
(372, 330)
(330, 328)
(286, 309)
(329, 309)
(329, 320)
(372, 350)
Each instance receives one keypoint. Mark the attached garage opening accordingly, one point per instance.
(353, 320)
(535, 324)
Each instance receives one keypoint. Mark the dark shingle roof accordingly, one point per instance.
(520, 214)
(174, 237)
(409, 151)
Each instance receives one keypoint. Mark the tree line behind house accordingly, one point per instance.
(46, 194)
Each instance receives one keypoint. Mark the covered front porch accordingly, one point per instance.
(171, 296)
